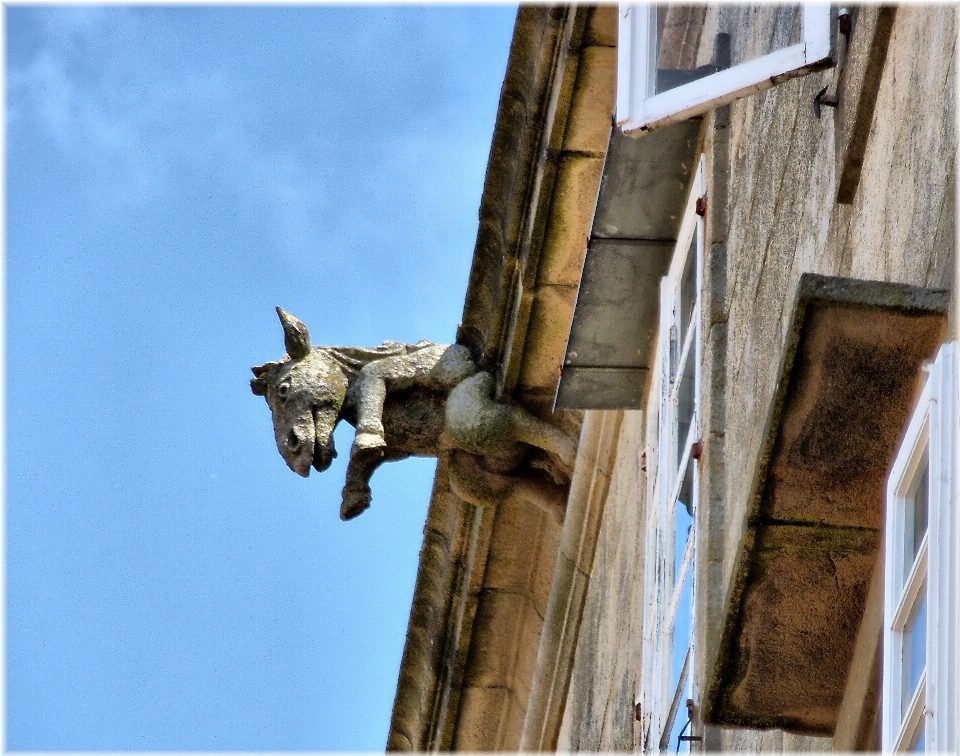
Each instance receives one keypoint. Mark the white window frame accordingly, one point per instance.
(638, 110)
(663, 589)
(932, 432)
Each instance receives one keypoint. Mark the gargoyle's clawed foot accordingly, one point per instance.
(356, 500)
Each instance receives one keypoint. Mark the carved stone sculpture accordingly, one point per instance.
(421, 399)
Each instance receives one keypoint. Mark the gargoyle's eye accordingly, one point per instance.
(282, 390)
(293, 443)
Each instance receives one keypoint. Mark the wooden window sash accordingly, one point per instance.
(932, 431)
(637, 109)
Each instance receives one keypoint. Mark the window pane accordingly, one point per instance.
(681, 629)
(693, 41)
(914, 648)
(680, 648)
(919, 742)
(685, 401)
(680, 721)
(684, 45)
(917, 505)
(683, 519)
(688, 290)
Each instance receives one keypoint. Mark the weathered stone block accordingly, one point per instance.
(547, 336)
(575, 196)
(848, 377)
(606, 669)
(506, 635)
(562, 105)
(515, 547)
(545, 564)
(512, 725)
(482, 714)
(590, 118)
(602, 26)
(808, 607)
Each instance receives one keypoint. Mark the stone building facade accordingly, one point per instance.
(743, 310)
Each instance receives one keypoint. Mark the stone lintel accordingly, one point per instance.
(850, 373)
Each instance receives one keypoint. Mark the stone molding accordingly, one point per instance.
(571, 579)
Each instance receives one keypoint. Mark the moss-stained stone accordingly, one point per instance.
(547, 336)
(805, 605)
(602, 26)
(852, 385)
(504, 647)
(575, 197)
(849, 375)
(515, 163)
(591, 113)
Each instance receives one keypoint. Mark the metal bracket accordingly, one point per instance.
(681, 738)
(845, 27)
(844, 22)
(822, 100)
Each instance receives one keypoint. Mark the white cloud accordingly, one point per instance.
(108, 90)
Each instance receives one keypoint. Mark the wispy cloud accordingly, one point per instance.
(141, 115)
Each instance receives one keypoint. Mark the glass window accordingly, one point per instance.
(688, 291)
(681, 630)
(914, 650)
(670, 605)
(922, 592)
(918, 744)
(685, 400)
(916, 520)
(679, 723)
(694, 41)
(679, 60)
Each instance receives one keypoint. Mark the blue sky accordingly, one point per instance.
(172, 175)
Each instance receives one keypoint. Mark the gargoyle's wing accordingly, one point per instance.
(352, 359)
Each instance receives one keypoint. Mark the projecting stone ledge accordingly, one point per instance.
(850, 374)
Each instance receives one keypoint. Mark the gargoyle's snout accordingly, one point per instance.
(323, 456)
(324, 418)
(296, 448)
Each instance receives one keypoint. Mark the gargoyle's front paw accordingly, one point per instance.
(367, 456)
(368, 440)
(356, 499)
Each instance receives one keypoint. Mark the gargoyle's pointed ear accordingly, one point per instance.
(258, 385)
(296, 337)
(261, 370)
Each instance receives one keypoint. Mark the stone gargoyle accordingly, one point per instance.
(405, 400)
